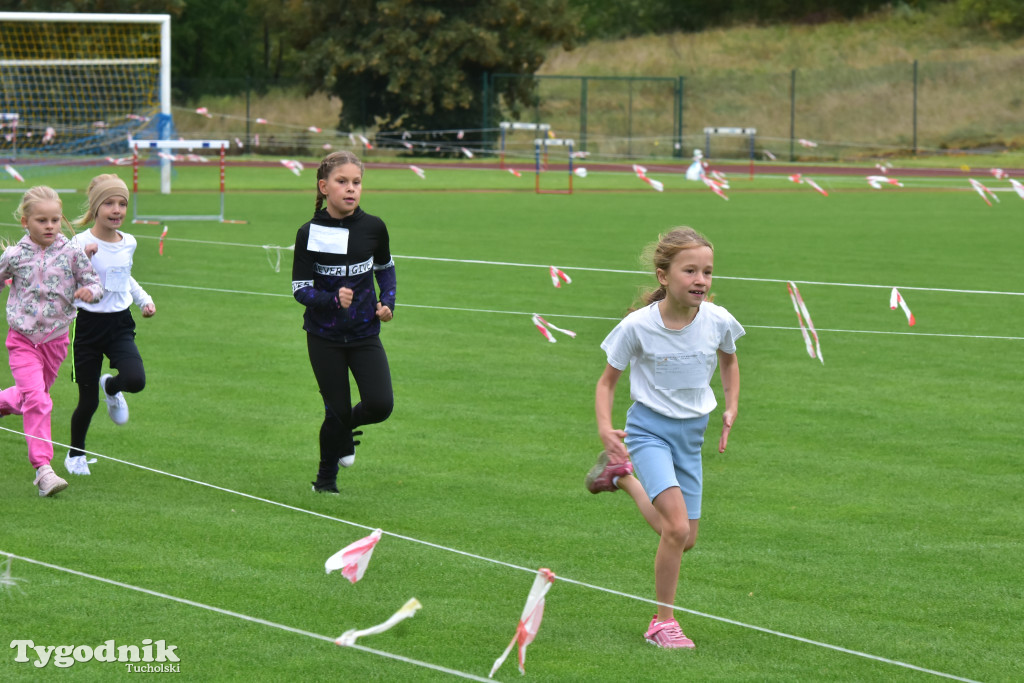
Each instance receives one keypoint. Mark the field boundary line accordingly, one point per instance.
(239, 615)
(583, 584)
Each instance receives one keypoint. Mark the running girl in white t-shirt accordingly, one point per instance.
(672, 346)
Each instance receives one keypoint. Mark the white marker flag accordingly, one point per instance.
(558, 277)
(13, 173)
(407, 610)
(1018, 188)
(543, 325)
(815, 186)
(813, 350)
(876, 181)
(292, 165)
(896, 299)
(529, 622)
(714, 185)
(353, 558)
(656, 184)
(981, 190)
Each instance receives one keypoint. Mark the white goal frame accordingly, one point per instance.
(164, 22)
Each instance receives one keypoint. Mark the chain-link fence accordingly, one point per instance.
(826, 114)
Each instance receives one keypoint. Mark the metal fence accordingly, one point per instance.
(823, 114)
(826, 114)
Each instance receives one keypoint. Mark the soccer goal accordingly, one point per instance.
(83, 83)
(540, 153)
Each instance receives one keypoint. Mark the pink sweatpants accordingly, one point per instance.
(34, 367)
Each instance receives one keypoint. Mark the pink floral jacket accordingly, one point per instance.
(41, 303)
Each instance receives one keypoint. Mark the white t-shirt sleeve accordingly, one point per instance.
(621, 344)
(731, 331)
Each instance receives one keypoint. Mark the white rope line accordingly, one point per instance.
(597, 317)
(239, 615)
(622, 272)
(529, 570)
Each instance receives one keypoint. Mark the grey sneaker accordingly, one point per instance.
(117, 407)
(48, 482)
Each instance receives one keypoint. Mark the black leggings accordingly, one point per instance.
(97, 335)
(332, 361)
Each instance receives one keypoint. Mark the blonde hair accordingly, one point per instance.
(101, 188)
(329, 163)
(661, 253)
(35, 195)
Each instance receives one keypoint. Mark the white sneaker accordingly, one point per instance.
(349, 460)
(77, 464)
(117, 407)
(48, 482)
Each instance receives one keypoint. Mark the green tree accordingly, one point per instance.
(213, 47)
(172, 7)
(415, 65)
(1005, 17)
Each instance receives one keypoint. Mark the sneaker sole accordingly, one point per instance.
(55, 490)
(681, 647)
(596, 470)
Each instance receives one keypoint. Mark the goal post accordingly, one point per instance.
(82, 83)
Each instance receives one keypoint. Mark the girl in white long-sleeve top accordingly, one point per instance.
(106, 328)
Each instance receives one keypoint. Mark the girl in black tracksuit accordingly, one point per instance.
(338, 255)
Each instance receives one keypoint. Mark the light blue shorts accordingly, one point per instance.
(666, 452)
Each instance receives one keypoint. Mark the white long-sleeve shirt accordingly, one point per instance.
(113, 263)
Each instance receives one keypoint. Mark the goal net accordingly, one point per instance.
(83, 83)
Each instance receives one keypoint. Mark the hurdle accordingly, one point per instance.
(189, 145)
(518, 125)
(540, 148)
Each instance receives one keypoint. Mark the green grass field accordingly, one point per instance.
(865, 523)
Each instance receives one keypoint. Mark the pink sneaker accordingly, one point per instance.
(667, 634)
(601, 475)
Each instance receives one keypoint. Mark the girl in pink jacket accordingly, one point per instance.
(47, 274)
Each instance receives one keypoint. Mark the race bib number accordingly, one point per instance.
(118, 278)
(681, 372)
